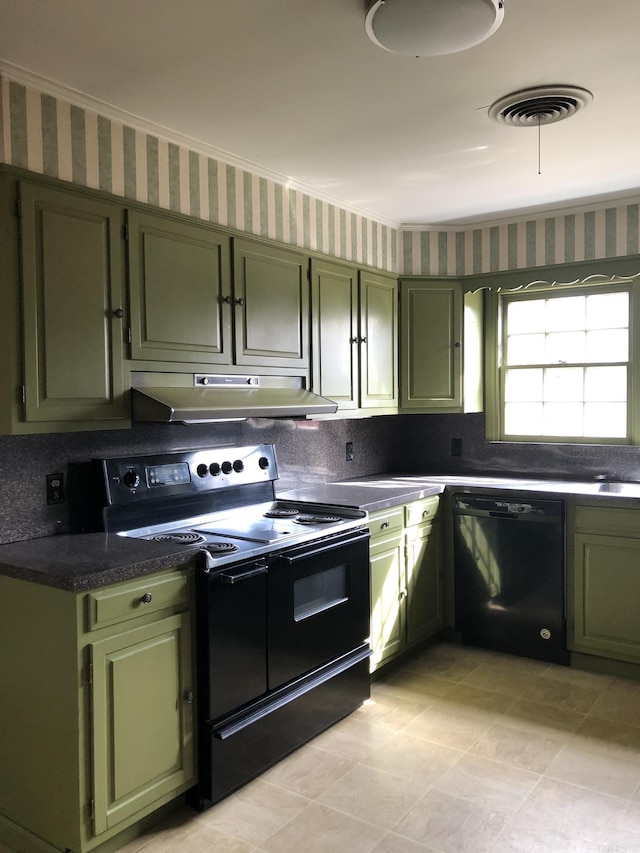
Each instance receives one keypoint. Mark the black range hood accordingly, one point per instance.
(166, 398)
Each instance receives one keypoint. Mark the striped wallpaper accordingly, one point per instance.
(53, 136)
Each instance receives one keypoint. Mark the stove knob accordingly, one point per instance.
(214, 469)
(131, 479)
(227, 467)
(263, 462)
(238, 466)
(202, 470)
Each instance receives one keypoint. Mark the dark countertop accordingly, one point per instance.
(78, 562)
(368, 493)
(380, 491)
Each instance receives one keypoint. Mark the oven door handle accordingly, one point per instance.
(239, 575)
(326, 548)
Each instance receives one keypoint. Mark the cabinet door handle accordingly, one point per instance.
(403, 594)
(228, 300)
(425, 513)
(119, 313)
(146, 598)
(240, 301)
(188, 696)
(384, 525)
(363, 340)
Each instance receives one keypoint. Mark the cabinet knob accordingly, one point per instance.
(457, 345)
(403, 594)
(227, 299)
(240, 301)
(384, 525)
(188, 696)
(119, 313)
(363, 340)
(146, 598)
(425, 513)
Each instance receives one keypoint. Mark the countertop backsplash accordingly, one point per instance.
(309, 453)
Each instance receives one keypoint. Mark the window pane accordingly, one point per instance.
(605, 384)
(565, 313)
(609, 345)
(526, 349)
(523, 419)
(564, 384)
(565, 347)
(580, 344)
(608, 311)
(523, 385)
(525, 317)
(563, 419)
(605, 419)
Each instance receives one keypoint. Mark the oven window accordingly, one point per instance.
(319, 592)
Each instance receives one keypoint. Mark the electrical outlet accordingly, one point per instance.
(55, 489)
(349, 452)
(456, 447)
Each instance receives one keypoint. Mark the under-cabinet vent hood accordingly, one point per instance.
(211, 398)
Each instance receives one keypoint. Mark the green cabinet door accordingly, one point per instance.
(378, 341)
(334, 311)
(142, 733)
(72, 291)
(180, 290)
(388, 592)
(607, 592)
(271, 306)
(431, 345)
(425, 613)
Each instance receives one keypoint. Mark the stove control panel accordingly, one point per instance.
(129, 479)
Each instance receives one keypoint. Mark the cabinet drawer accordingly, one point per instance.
(386, 521)
(131, 599)
(608, 520)
(422, 510)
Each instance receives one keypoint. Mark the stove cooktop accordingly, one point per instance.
(255, 530)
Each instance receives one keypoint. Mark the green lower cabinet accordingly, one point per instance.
(98, 709)
(425, 613)
(607, 593)
(406, 578)
(142, 732)
(388, 633)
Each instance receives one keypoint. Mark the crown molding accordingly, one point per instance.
(58, 90)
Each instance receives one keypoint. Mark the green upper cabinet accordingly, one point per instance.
(180, 287)
(354, 336)
(378, 341)
(334, 312)
(72, 309)
(441, 347)
(271, 306)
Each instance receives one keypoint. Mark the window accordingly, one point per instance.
(564, 368)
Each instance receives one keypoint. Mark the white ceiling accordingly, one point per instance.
(296, 88)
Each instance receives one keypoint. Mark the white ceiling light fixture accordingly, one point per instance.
(431, 27)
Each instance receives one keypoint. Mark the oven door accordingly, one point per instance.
(317, 604)
(232, 634)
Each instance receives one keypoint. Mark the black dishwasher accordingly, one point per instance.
(509, 563)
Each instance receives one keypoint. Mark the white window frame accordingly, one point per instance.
(495, 403)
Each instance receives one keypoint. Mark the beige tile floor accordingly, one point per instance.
(462, 750)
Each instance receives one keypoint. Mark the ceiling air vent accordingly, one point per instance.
(540, 105)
